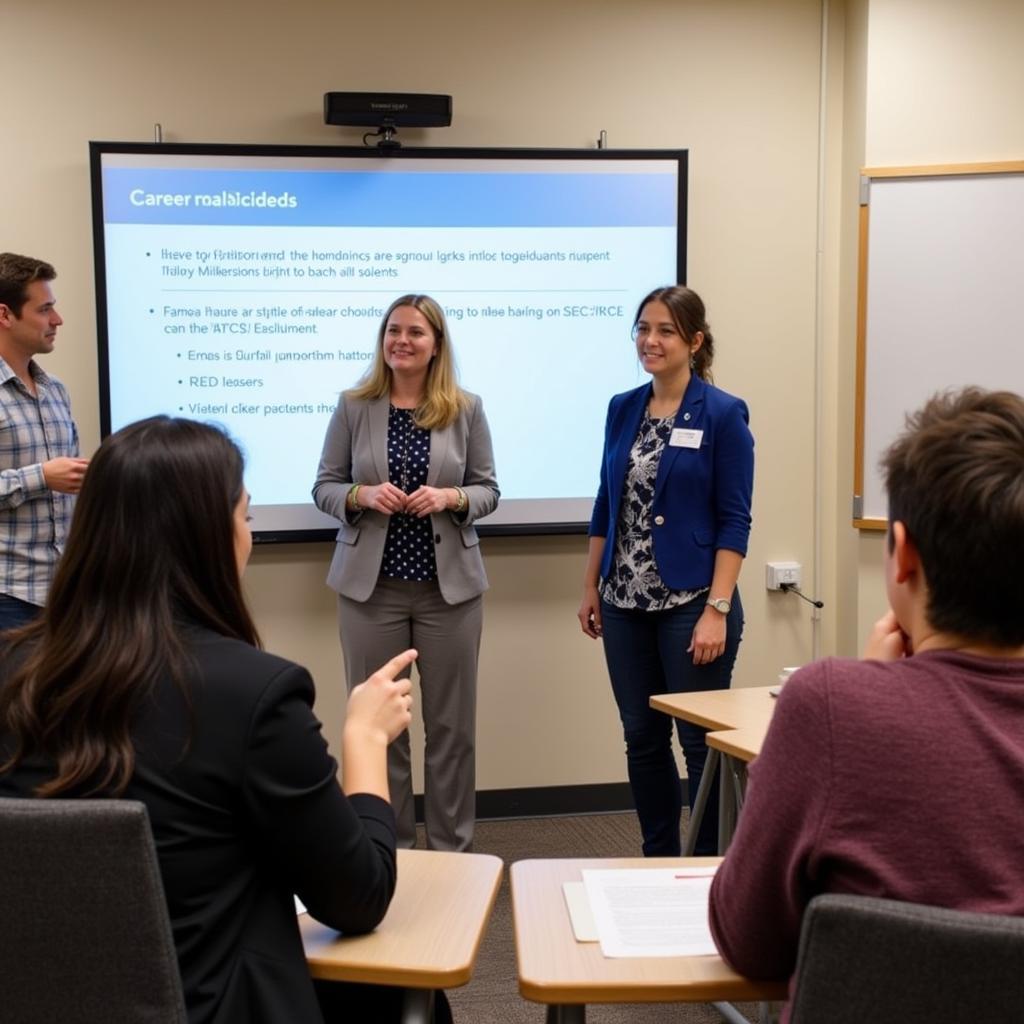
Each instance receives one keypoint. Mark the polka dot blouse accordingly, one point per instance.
(409, 548)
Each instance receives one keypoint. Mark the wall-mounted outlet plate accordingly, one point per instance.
(777, 573)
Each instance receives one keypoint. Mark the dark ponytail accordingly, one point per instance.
(687, 311)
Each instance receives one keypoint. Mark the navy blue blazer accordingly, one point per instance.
(701, 495)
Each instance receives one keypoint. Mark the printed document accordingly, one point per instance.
(651, 911)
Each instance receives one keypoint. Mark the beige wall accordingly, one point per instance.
(944, 84)
(735, 81)
(844, 147)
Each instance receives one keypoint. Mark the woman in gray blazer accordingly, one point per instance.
(408, 468)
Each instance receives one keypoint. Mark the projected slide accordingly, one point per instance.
(247, 289)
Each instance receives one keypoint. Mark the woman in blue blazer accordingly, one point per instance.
(408, 468)
(667, 537)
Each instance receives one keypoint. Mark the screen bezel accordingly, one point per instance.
(97, 150)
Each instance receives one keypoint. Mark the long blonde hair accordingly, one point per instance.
(443, 400)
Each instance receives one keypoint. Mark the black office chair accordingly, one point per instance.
(84, 930)
(875, 961)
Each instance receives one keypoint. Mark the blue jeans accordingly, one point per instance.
(14, 612)
(646, 654)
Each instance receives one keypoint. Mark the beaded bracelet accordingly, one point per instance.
(352, 498)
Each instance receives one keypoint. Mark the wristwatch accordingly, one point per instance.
(720, 604)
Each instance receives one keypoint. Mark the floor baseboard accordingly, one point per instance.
(548, 801)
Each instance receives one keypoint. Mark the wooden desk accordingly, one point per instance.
(746, 710)
(742, 744)
(742, 708)
(566, 975)
(430, 935)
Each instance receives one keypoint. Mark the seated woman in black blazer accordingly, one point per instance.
(144, 679)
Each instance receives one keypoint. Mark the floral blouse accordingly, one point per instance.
(634, 581)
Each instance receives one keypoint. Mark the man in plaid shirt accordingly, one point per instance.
(40, 470)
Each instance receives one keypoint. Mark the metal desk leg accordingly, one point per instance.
(726, 805)
(566, 1014)
(738, 777)
(707, 780)
(729, 1012)
(418, 1006)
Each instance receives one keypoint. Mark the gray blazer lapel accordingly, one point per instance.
(378, 421)
(440, 442)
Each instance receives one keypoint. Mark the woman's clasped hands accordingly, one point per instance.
(391, 500)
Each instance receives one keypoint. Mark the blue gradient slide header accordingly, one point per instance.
(309, 198)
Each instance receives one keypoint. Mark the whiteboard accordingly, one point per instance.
(941, 300)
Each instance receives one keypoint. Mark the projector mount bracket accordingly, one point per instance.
(385, 135)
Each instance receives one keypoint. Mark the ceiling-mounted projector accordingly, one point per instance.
(388, 109)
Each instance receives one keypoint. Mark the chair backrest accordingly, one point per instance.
(84, 930)
(872, 960)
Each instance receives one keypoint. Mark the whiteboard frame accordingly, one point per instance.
(860, 519)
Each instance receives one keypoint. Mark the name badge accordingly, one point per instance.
(682, 438)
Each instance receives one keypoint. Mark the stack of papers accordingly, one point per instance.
(644, 911)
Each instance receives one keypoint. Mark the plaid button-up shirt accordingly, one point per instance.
(33, 519)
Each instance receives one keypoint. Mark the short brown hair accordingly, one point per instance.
(955, 479)
(16, 274)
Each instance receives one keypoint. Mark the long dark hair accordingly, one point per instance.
(151, 549)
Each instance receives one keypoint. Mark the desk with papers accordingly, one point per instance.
(557, 970)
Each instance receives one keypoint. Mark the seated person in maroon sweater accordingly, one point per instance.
(902, 775)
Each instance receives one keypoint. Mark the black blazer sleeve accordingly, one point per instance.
(338, 852)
